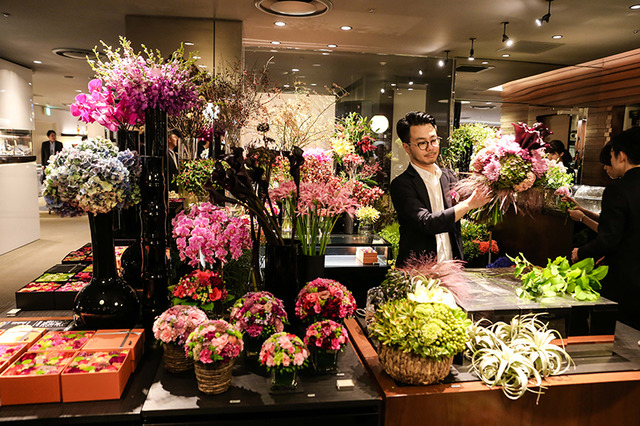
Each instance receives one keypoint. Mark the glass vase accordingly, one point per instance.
(365, 228)
(283, 380)
(252, 346)
(324, 361)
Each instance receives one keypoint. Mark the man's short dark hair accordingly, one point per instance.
(629, 143)
(50, 132)
(413, 118)
(605, 155)
(174, 132)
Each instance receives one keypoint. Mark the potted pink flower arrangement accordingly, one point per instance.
(323, 298)
(325, 340)
(204, 289)
(258, 315)
(214, 346)
(172, 328)
(283, 354)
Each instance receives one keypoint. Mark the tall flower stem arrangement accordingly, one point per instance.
(96, 178)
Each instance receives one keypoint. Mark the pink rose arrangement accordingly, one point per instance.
(323, 298)
(62, 340)
(199, 288)
(259, 314)
(39, 363)
(214, 341)
(176, 323)
(327, 334)
(96, 362)
(208, 233)
(506, 165)
(283, 352)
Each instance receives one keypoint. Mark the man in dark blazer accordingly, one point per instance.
(49, 148)
(422, 195)
(618, 237)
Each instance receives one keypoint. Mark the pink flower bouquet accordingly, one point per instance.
(8, 351)
(96, 362)
(62, 340)
(176, 323)
(327, 334)
(259, 314)
(39, 363)
(208, 233)
(324, 299)
(72, 286)
(283, 352)
(214, 341)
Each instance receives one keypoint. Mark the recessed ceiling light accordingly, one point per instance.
(382, 90)
(313, 84)
(419, 72)
(273, 50)
(556, 36)
(286, 85)
(393, 85)
(410, 88)
(345, 28)
(632, 7)
(275, 42)
(197, 57)
(295, 69)
(411, 83)
(78, 90)
(332, 45)
(325, 53)
(6, 14)
(316, 65)
(37, 62)
(189, 43)
(279, 24)
(505, 55)
(465, 102)
(485, 62)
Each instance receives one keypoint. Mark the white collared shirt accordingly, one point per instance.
(432, 182)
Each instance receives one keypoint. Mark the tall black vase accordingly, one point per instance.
(310, 268)
(107, 302)
(153, 217)
(281, 273)
(127, 221)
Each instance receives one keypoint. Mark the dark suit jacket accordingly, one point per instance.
(619, 241)
(172, 170)
(45, 151)
(418, 225)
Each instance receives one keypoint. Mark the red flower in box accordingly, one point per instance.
(95, 362)
(7, 351)
(62, 340)
(39, 363)
(39, 287)
(325, 299)
(200, 288)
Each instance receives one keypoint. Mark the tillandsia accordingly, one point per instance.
(516, 355)
(580, 280)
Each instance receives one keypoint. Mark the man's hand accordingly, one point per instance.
(576, 215)
(574, 255)
(478, 198)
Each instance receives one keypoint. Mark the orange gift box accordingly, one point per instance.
(19, 384)
(10, 353)
(21, 334)
(366, 255)
(62, 341)
(96, 375)
(115, 340)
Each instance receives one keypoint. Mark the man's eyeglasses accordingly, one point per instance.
(422, 146)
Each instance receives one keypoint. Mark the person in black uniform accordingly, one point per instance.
(172, 159)
(422, 197)
(49, 148)
(618, 238)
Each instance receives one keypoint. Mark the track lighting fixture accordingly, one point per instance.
(442, 62)
(505, 38)
(471, 52)
(545, 17)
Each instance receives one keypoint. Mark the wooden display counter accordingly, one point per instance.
(603, 398)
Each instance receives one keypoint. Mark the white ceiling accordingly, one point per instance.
(591, 29)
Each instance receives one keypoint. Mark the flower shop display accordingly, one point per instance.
(132, 339)
(325, 339)
(21, 334)
(477, 242)
(507, 166)
(463, 143)
(62, 341)
(324, 299)
(258, 315)
(81, 255)
(194, 174)
(353, 135)
(214, 346)
(204, 289)
(95, 375)
(9, 353)
(516, 355)
(60, 277)
(580, 280)
(367, 215)
(172, 328)
(419, 340)
(366, 255)
(283, 354)
(95, 177)
(34, 378)
(40, 287)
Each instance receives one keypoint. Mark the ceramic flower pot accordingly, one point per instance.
(283, 380)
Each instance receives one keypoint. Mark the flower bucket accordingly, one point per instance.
(214, 378)
(324, 361)
(283, 380)
(413, 369)
(175, 359)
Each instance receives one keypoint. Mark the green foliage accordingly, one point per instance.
(472, 231)
(388, 214)
(396, 284)
(391, 233)
(194, 174)
(580, 280)
(429, 330)
(463, 142)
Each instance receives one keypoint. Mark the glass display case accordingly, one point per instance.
(15, 143)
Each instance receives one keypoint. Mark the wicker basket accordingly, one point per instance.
(214, 378)
(174, 358)
(411, 368)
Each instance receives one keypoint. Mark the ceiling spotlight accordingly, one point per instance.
(411, 83)
(286, 85)
(295, 69)
(505, 55)
(325, 53)
(556, 36)
(332, 45)
(546, 16)
(313, 84)
(279, 24)
(382, 90)
(485, 62)
(345, 28)
(442, 62)
(275, 42)
(7, 14)
(188, 43)
(471, 52)
(37, 62)
(632, 7)
(505, 38)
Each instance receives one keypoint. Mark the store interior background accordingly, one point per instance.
(398, 56)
